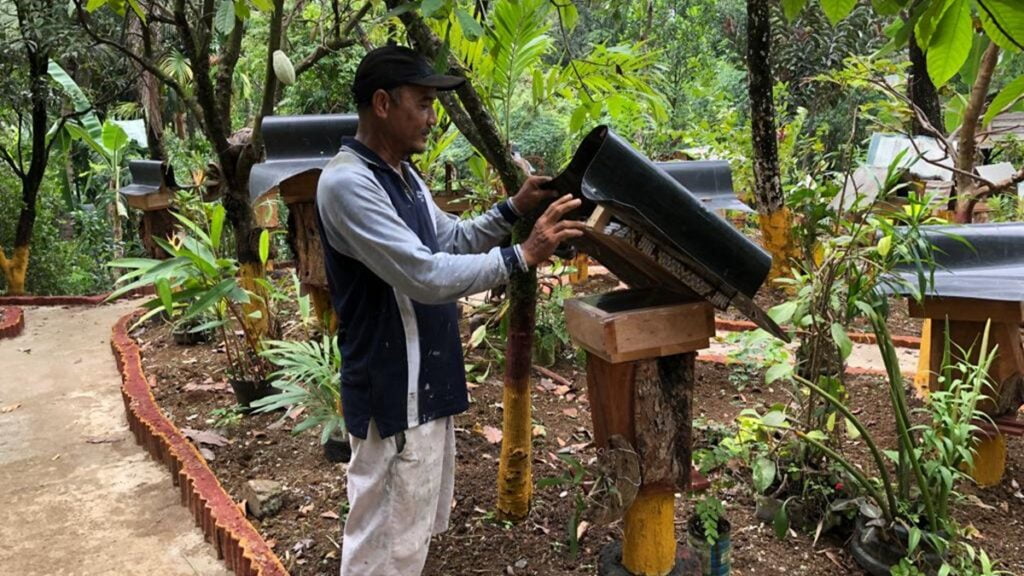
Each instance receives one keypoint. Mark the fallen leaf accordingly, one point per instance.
(546, 384)
(207, 453)
(330, 514)
(562, 390)
(294, 413)
(539, 431)
(205, 437)
(492, 434)
(561, 443)
(581, 530)
(303, 510)
(571, 412)
(11, 408)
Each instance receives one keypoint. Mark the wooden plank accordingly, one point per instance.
(300, 188)
(968, 309)
(149, 202)
(599, 219)
(635, 334)
(610, 393)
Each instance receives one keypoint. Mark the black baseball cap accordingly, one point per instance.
(393, 66)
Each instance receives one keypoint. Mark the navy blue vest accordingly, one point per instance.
(372, 334)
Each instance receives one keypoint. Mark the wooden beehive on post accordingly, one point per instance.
(298, 148)
(681, 259)
(152, 191)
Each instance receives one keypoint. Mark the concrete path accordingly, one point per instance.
(77, 495)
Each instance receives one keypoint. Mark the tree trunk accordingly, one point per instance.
(922, 91)
(776, 219)
(966, 196)
(15, 269)
(515, 484)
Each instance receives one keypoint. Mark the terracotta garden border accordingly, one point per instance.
(12, 322)
(223, 522)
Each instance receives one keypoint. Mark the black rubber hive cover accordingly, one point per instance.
(297, 144)
(983, 261)
(668, 238)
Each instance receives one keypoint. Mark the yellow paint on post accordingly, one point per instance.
(649, 543)
(15, 270)
(777, 237)
(249, 273)
(582, 272)
(515, 472)
(922, 378)
(322, 308)
(990, 460)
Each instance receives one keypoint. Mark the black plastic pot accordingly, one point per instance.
(248, 391)
(714, 559)
(877, 550)
(338, 450)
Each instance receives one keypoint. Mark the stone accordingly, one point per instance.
(263, 497)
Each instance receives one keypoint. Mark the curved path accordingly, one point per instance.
(77, 495)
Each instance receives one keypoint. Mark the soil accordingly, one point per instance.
(898, 318)
(306, 534)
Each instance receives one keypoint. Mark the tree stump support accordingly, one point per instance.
(299, 195)
(966, 319)
(641, 352)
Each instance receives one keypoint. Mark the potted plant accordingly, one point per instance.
(308, 378)
(708, 536)
(910, 518)
(195, 282)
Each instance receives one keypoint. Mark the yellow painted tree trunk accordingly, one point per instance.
(652, 515)
(15, 269)
(257, 312)
(777, 238)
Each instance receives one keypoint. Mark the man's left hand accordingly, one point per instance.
(531, 195)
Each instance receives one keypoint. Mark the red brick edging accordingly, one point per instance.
(92, 300)
(898, 340)
(223, 523)
(12, 322)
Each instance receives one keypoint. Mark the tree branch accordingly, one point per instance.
(230, 52)
(145, 64)
(270, 81)
(342, 40)
(489, 141)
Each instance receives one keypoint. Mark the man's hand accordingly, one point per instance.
(531, 195)
(550, 230)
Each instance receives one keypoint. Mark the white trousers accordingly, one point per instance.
(399, 496)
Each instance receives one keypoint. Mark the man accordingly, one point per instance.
(396, 265)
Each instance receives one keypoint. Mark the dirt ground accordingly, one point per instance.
(307, 533)
(78, 496)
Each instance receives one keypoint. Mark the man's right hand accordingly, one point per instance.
(550, 230)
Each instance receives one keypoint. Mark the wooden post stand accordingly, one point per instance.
(966, 319)
(157, 221)
(299, 194)
(641, 350)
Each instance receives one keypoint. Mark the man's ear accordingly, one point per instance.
(381, 103)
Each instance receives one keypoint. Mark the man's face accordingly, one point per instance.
(411, 117)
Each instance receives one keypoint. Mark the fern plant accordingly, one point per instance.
(308, 376)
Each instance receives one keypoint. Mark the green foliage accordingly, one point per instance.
(709, 512)
(752, 352)
(197, 280)
(228, 417)
(572, 479)
(308, 376)
(69, 248)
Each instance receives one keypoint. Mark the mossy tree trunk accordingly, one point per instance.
(470, 115)
(776, 221)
